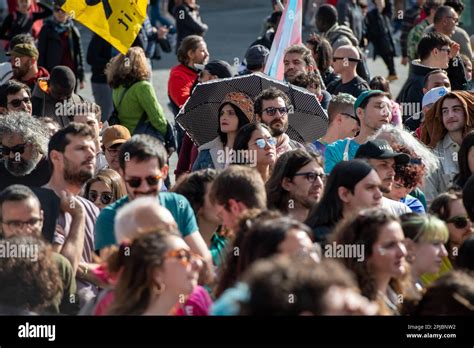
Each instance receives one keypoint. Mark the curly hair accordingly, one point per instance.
(30, 129)
(411, 174)
(364, 229)
(396, 135)
(27, 283)
(322, 51)
(126, 69)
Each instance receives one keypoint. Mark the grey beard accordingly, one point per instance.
(20, 168)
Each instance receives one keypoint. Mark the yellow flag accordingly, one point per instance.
(116, 21)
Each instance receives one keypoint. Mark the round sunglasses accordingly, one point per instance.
(105, 197)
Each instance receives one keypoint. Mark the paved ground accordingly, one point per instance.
(231, 30)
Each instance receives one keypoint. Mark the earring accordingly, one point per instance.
(410, 258)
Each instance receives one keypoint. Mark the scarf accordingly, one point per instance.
(60, 28)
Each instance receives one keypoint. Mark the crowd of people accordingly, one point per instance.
(373, 218)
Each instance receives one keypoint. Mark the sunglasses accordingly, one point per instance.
(445, 49)
(5, 150)
(312, 176)
(261, 143)
(350, 116)
(342, 58)
(151, 180)
(105, 197)
(17, 102)
(271, 111)
(58, 9)
(459, 221)
(185, 257)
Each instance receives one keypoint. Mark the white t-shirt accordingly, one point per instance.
(394, 207)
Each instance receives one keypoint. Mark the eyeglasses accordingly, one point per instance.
(58, 9)
(271, 111)
(17, 102)
(455, 19)
(18, 225)
(20, 148)
(105, 197)
(185, 257)
(445, 49)
(113, 150)
(261, 143)
(458, 221)
(312, 176)
(342, 58)
(350, 116)
(151, 180)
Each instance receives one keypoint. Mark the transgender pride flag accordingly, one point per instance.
(288, 33)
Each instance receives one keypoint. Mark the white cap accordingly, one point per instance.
(433, 95)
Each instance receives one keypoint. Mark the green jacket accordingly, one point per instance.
(139, 98)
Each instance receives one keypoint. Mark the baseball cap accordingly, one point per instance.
(433, 95)
(363, 96)
(115, 135)
(24, 49)
(381, 149)
(219, 68)
(256, 55)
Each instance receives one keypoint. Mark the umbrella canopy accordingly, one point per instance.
(199, 115)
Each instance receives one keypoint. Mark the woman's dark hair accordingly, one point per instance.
(263, 239)
(322, 51)
(380, 83)
(193, 187)
(243, 120)
(410, 174)
(287, 166)
(330, 208)
(229, 275)
(465, 258)
(110, 178)
(463, 155)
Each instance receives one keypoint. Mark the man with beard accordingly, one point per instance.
(271, 108)
(380, 155)
(71, 153)
(24, 61)
(296, 184)
(15, 96)
(144, 168)
(24, 142)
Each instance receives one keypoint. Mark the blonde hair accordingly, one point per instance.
(425, 228)
(125, 70)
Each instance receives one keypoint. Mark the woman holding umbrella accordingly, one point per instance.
(235, 111)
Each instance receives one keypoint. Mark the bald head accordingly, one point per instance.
(141, 215)
(345, 58)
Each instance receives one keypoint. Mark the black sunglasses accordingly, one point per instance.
(152, 180)
(349, 59)
(458, 221)
(271, 111)
(17, 102)
(5, 150)
(312, 176)
(350, 115)
(105, 197)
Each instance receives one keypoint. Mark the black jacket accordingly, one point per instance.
(188, 22)
(99, 53)
(378, 32)
(50, 48)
